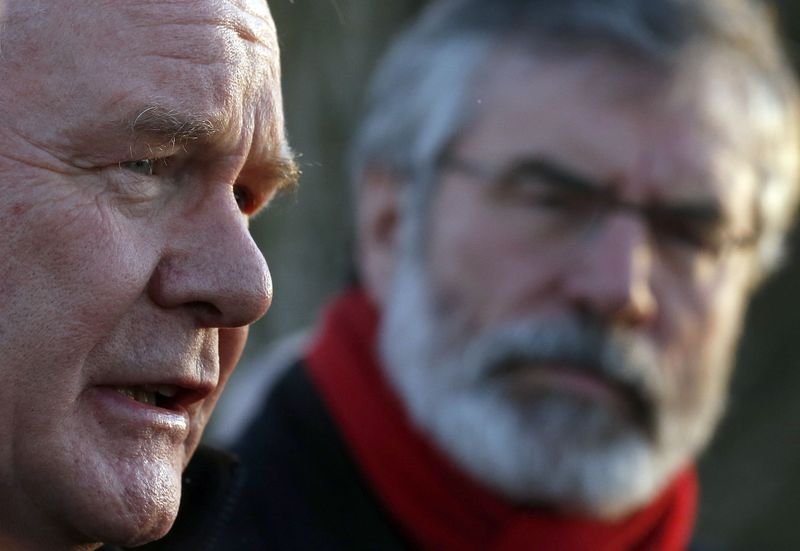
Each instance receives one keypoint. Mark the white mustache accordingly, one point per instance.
(623, 358)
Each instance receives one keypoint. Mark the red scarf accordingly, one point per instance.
(438, 505)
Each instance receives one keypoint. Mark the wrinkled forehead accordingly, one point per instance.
(113, 48)
(656, 133)
(93, 22)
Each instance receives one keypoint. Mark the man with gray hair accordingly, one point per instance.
(136, 139)
(563, 210)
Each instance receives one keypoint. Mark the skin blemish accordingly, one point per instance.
(18, 209)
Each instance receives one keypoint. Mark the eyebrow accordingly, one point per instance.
(285, 172)
(701, 208)
(551, 172)
(170, 124)
(176, 127)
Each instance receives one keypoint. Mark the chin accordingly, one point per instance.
(562, 453)
(100, 494)
(142, 504)
(134, 536)
(139, 515)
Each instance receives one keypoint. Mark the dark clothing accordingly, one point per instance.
(333, 463)
(303, 490)
(300, 491)
(211, 485)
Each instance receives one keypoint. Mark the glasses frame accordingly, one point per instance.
(608, 200)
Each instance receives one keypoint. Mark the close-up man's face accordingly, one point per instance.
(136, 138)
(568, 331)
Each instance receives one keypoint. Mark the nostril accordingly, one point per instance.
(205, 310)
(221, 280)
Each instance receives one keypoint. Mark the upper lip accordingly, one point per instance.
(632, 393)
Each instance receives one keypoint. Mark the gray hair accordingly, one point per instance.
(417, 103)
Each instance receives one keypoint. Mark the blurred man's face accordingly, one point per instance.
(567, 336)
(135, 140)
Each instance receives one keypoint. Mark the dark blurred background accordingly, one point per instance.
(750, 475)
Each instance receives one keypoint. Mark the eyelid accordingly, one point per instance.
(157, 162)
(260, 199)
(265, 185)
(554, 175)
(131, 165)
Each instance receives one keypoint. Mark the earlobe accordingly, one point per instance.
(379, 213)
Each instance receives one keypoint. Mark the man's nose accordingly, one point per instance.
(212, 267)
(610, 274)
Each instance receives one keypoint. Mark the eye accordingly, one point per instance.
(691, 228)
(244, 198)
(562, 199)
(145, 167)
(540, 193)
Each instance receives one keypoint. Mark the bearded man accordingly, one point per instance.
(563, 210)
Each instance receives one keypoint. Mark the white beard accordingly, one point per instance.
(543, 447)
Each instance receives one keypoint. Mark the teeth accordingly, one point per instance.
(145, 397)
(167, 391)
(140, 394)
(129, 392)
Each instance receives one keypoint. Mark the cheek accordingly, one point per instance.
(701, 335)
(472, 259)
(70, 266)
(725, 320)
(461, 260)
(482, 264)
(231, 344)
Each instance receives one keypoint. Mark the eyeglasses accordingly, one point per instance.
(563, 208)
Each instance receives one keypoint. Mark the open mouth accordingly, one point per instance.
(169, 397)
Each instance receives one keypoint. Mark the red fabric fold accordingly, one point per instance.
(439, 506)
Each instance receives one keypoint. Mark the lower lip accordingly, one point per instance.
(111, 405)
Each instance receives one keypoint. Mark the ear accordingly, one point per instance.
(377, 226)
